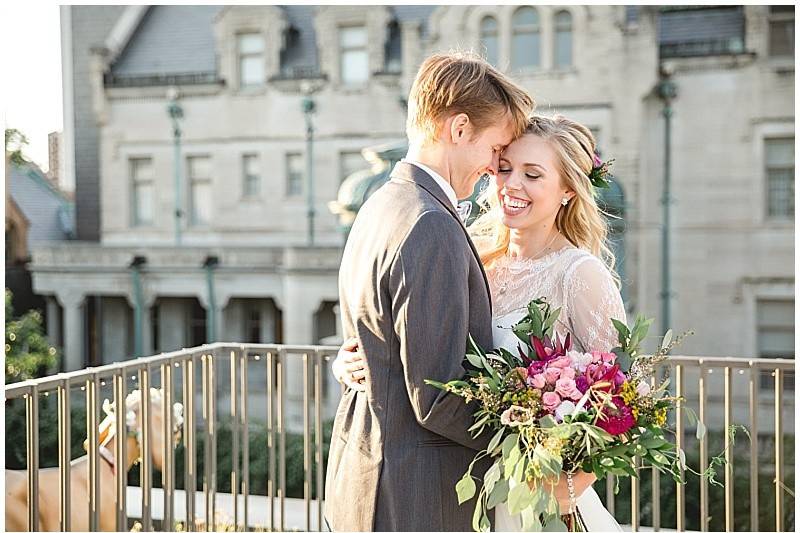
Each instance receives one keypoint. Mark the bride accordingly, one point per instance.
(543, 235)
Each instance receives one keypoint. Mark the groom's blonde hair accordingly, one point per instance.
(463, 82)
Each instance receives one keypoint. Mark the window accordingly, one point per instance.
(779, 159)
(350, 162)
(563, 40)
(781, 31)
(526, 39)
(775, 323)
(251, 59)
(354, 59)
(489, 40)
(294, 174)
(141, 172)
(199, 171)
(251, 175)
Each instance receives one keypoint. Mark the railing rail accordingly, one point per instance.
(305, 367)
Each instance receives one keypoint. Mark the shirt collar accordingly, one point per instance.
(440, 181)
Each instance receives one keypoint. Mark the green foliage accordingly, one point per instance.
(28, 352)
(716, 494)
(259, 459)
(15, 141)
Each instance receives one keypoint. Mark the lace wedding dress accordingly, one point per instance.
(578, 283)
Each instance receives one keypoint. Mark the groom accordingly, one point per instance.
(411, 289)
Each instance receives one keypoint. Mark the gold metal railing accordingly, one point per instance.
(311, 362)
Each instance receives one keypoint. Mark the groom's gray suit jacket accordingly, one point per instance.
(411, 288)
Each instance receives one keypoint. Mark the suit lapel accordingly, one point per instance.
(412, 173)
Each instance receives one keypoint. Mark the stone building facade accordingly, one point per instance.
(240, 74)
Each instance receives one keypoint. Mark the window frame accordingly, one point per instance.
(135, 220)
(241, 56)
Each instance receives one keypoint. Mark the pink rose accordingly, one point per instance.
(567, 389)
(551, 374)
(537, 381)
(568, 373)
(551, 400)
(560, 362)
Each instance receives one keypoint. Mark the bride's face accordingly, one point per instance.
(529, 186)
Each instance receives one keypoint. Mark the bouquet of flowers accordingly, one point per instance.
(554, 409)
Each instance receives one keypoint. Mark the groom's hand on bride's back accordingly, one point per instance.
(348, 367)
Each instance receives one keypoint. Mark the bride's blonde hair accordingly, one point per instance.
(580, 221)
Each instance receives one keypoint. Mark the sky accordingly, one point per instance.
(30, 37)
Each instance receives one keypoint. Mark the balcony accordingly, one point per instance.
(256, 423)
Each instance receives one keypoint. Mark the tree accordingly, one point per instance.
(28, 352)
(15, 141)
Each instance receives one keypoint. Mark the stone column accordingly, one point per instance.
(148, 342)
(54, 322)
(74, 324)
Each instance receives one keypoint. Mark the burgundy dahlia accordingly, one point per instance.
(617, 420)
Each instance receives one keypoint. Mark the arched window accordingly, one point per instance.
(526, 42)
(489, 39)
(563, 40)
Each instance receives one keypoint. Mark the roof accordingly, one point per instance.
(175, 40)
(171, 39)
(693, 24)
(50, 214)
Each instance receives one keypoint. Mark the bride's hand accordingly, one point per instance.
(580, 481)
(348, 367)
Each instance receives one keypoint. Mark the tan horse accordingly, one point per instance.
(49, 501)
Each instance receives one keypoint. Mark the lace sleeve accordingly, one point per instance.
(591, 300)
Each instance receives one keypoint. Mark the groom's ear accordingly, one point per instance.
(460, 128)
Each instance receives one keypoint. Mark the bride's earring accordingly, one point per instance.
(564, 201)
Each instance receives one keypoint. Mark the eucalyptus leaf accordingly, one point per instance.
(499, 494)
(465, 488)
(492, 476)
(517, 496)
(495, 440)
(667, 339)
(475, 360)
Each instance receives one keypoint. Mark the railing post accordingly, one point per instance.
(146, 464)
(64, 454)
(755, 377)
(92, 421)
(680, 489)
(234, 438)
(121, 446)
(703, 450)
(318, 429)
(243, 415)
(778, 449)
(168, 468)
(728, 451)
(190, 461)
(32, 442)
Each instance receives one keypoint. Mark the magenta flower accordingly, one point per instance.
(582, 384)
(617, 419)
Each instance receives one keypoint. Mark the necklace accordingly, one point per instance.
(503, 286)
